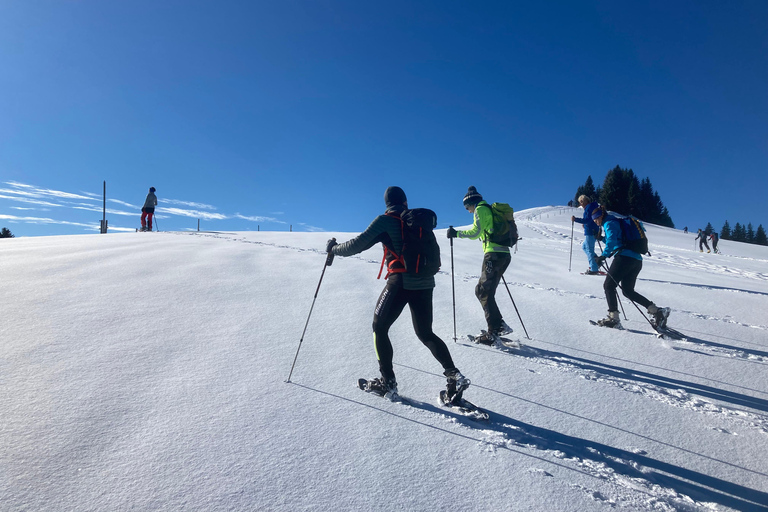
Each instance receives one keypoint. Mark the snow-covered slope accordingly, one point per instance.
(146, 371)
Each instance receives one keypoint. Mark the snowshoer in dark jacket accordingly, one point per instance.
(702, 238)
(590, 232)
(624, 270)
(148, 210)
(400, 290)
(715, 238)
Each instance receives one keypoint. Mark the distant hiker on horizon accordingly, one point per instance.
(590, 233)
(148, 210)
(625, 268)
(715, 238)
(702, 238)
(403, 287)
(496, 259)
(685, 229)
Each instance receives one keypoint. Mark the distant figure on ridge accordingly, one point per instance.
(496, 259)
(625, 268)
(148, 210)
(685, 229)
(590, 233)
(715, 238)
(405, 286)
(702, 238)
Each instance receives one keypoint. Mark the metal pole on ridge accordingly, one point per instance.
(328, 262)
(570, 258)
(453, 291)
(516, 310)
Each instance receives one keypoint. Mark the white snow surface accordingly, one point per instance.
(147, 371)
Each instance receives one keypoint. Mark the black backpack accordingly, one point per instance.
(421, 253)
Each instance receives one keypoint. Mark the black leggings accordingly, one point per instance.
(391, 303)
(623, 270)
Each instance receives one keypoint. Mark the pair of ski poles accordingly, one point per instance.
(453, 290)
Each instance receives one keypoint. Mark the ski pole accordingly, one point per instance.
(453, 291)
(328, 262)
(570, 258)
(516, 310)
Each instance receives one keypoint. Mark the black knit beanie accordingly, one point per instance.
(394, 196)
(473, 197)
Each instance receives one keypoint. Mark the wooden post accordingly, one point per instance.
(104, 215)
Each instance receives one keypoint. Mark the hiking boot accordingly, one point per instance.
(590, 272)
(457, 383)
(383, 387)
(660, 316)
(503, 330)
(486, 338)
(612, 320)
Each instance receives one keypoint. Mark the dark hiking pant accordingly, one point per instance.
(392, 301)
(494, 265)
(624, 270)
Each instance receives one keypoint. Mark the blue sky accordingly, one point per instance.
(267, 115)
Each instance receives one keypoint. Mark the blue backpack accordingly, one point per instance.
(633, 235)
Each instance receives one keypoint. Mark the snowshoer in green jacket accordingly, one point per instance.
(495, 262)
(401, 289)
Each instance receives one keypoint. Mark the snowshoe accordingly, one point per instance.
(463, 406)
(380, 387)
(485, 338)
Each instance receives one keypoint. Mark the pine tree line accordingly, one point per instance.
(6, 233)
(746, 234)
(624, 193)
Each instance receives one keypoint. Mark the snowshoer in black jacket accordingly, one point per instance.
(400, 290)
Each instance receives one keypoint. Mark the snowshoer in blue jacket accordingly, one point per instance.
(495, 261)
(625, 268)
(590, 232)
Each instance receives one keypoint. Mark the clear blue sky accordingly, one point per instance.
(280, 113)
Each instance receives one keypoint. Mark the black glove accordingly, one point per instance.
(330, 244)
(451, 232)
(600, 260)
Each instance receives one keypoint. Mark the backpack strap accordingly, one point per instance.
(392, 267)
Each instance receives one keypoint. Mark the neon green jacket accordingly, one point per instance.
(482, 228)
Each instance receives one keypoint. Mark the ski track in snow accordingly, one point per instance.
(630, 478)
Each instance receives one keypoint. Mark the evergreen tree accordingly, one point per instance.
(749, 236)
(6, 233)
(633, 195)
(760, 237)
(739, 233)
(623, 192)
(646, 201)
(587, 189)
(725, 233)
(616, 190)
(709, 229)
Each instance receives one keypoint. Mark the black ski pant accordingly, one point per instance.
(392, 301)
(494, 265)
(703, 242)
(624, 270)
